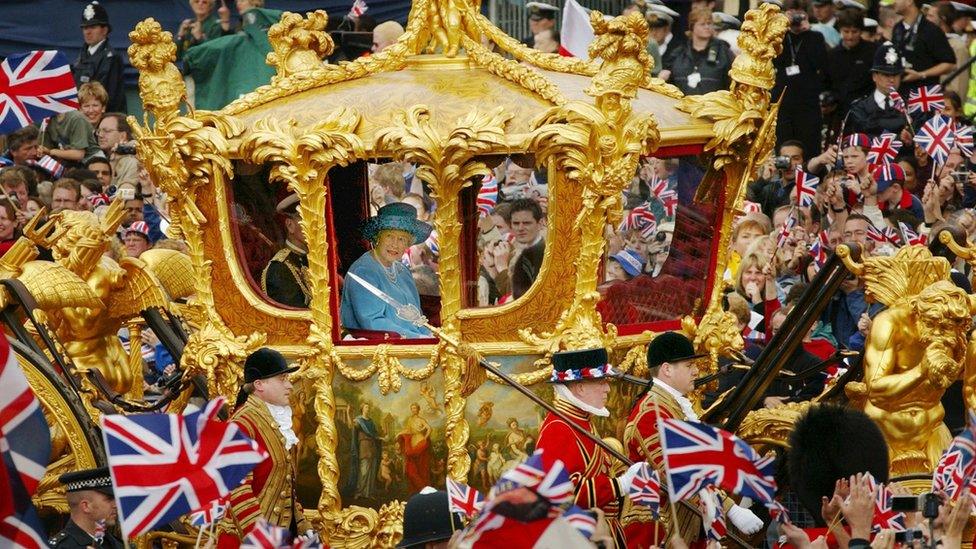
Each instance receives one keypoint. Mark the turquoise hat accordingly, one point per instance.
(399, 216)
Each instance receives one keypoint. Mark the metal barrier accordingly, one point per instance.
(512, 17)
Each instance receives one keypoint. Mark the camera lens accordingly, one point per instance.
(930, 507)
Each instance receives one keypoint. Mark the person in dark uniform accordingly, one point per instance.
(97, 60)
(92, 507)
(849, 64)
(285, 278)
(876, 113)
(541, 17)
(800, 70)
(923, 45)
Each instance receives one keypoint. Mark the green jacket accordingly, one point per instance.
(225, 68)
(211, 30)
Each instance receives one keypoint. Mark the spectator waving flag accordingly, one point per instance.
(25, 446)
(658, 186)
(884, 148)
(167, 465)
(884, 517)
(806, 188)
(784, 231)
(964, 139)
(697, 455)
(463, 499)
(640, 218)
(34, 86)
(936, 137)
(358, 8)
(487, 195)
(926, 99)
(645, 490)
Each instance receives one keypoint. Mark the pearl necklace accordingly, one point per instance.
(391, 273)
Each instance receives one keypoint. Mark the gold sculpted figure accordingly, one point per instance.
(915, 351)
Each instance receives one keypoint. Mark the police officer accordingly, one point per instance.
(92, 506)
(97, 61)
(877, 113)
(285, 278)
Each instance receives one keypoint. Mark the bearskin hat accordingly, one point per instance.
(830, 442)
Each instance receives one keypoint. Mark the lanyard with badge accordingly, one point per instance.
(793, 69)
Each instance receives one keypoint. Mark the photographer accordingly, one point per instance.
(777, 178)
(800, 73)
(115, 140)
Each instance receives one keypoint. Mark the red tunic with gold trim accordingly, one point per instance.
(269, 490)
(587, 464)
(643, 443)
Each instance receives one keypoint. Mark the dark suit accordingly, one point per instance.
(285, 279)
(527, 268)
(73, 537)
(849, 72)
(867, 117)
(104, 66)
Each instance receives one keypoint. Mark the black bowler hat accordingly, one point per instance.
(427, 518)
(887, 60)
(670, 347)
(265, 363)
(98, 480)
(94, 15)
(582, 365)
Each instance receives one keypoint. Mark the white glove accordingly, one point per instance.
(311, 536)
(745, 520)
(626, 479)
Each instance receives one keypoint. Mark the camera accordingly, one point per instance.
(122, 148)
(782, 162)
(928, 503)
(908, 536)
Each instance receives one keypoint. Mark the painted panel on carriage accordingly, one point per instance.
(390, 446)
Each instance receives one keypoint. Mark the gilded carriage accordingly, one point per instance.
(454, 97)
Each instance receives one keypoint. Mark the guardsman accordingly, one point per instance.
(98, 62)
(264, 414)
(581, 386)
(285, 278)
(92, 507)
(671, 359)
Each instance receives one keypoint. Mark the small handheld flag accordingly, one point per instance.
(926, 99)
(463, 499)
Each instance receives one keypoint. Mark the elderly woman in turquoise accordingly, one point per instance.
(392, 230)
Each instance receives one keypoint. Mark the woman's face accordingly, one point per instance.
(7, 225)
(392, 244)
(855, 161)
(950, 110)
(93, 110)
(703, 29)
(745, 238)
(753, 275)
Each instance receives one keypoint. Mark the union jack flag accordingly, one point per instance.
(463, 499)
(487, 195)
(784, 231)
(48, 164)
(897, 101)
(359, 7)
(964, 139)
(584, 521)
(697, 455)
(713, 519)
(936, 137)
(646, 489)
(884, 517)
(926, 99)
(751, 207)
(166, 465)
(669, 199)
(640, 218)
(25, 446)
(806, 188)
(818, 253)
(778, 513)
(209, 514)
(884, 148)
(957, 466)
(34, 86)
(911, 237)
(550, 481)
(658, 185)
(265, 535)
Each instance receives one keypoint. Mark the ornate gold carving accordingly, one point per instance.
(772, 426)
(390, 369)
(891, 279)
(597, 147)
(525, 76)
(152, 52)
(445, 163)
(299, 44)
(363, 528)
(302, 159)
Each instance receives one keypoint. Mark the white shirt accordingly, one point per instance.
(282, 416)
(685, 404)
(91, 49)
(879, 98)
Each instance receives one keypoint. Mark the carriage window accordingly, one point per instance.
(658, 259)
(509, 212)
